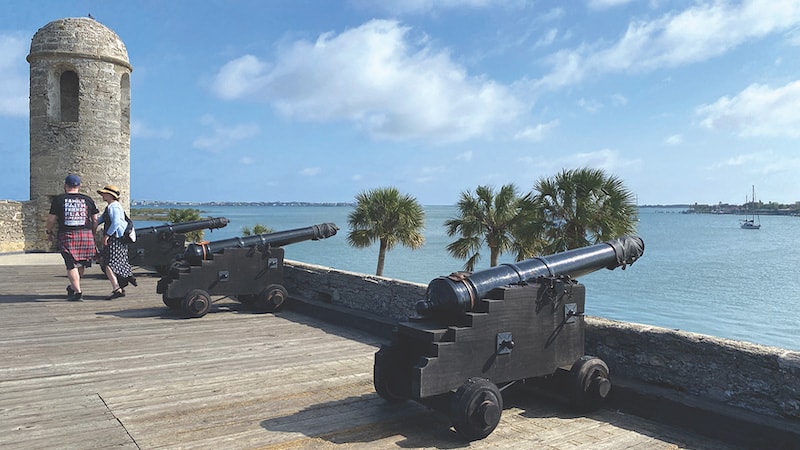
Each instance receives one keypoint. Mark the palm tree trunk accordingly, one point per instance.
(494, 255)
(381, 258)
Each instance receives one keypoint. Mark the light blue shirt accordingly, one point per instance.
(115, 216)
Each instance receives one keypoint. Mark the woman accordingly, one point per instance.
(115, 251)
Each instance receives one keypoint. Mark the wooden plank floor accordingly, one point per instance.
(129, 373)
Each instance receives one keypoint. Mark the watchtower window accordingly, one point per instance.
(69, 96)
(125, 102)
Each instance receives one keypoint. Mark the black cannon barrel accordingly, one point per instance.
(211, 223)
(461, 290)
(199, 252)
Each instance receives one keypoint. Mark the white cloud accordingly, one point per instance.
(465, 156)
(310, 171)
(428, 174)
(705, 30)
(401, 7)
(547, 38)
(743, 159)
(675, 139)
(223, 136)
(379, 78)
(142, 130)
(762, 163)
(604, 4)
(590, 105)
(793, 37)
(239, 76)
(605, 159)
(619, 100)
(756, 111)
(536, 133)
(13, 76)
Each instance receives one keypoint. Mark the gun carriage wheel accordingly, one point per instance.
(384, 375)
(270, 299)
(588, 384)
(171, 302)
(196, 303)
(476, 408)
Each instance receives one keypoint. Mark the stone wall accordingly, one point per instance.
(384, 297)
(765, 380)
(726, 373)
(15, 224)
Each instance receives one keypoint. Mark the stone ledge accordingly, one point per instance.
(340, 315)
(715, 420)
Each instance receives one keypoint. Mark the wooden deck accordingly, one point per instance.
(129, 373)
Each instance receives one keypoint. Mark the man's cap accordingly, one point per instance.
(72, 180)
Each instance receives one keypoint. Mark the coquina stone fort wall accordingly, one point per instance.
(79, 123)
(689, 367)
(13, 225)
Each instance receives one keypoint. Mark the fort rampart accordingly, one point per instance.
(742, 381)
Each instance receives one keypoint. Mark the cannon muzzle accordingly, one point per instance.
(198, 252)
(461, 290)
(170, 229)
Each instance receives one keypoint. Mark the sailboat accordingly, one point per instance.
(751, 221)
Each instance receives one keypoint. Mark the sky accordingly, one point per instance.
(316, 101)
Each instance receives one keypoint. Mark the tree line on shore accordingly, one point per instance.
(771, 208)
(572, 209)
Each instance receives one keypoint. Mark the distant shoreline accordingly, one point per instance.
(159, 203)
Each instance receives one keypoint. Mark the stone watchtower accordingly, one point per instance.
(79, 114)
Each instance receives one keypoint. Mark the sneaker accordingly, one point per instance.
(70, 291)
(74, 296)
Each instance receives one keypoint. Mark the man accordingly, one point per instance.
(76, 216)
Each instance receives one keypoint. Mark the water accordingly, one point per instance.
(699, 273)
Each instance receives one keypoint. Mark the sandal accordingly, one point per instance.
(116, 293)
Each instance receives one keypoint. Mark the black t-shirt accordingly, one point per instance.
(74, 211)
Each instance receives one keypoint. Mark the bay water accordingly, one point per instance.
(699, 273)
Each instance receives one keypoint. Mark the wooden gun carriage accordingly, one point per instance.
(478, 332)
(158, 246)
(248, 269)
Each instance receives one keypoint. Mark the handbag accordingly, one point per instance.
(129, 235)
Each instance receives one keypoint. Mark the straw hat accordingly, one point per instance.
(111, 190)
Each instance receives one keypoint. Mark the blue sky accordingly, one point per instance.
(299, 100)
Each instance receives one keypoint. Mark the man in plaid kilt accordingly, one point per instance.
(76, 217)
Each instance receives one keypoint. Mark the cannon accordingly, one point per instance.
(158, 246)
(475, 334)
(248, 269)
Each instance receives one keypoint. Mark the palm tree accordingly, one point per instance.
(386, 216)
(257, 229)
(581, 207)
(181, 215)
(485, 220)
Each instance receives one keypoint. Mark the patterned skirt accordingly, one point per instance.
(78, 243)
(115, 255)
